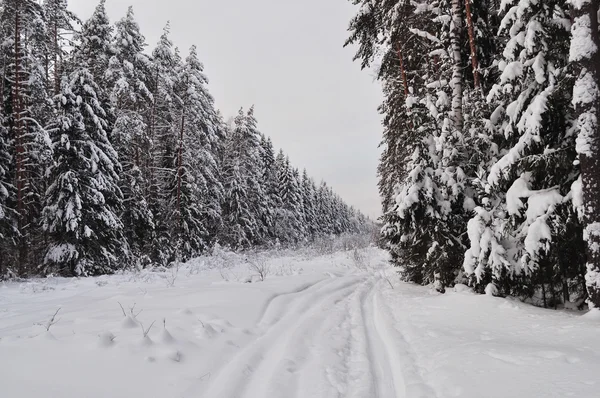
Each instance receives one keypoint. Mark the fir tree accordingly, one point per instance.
(127, 76)
(83, 200)
(163, 128)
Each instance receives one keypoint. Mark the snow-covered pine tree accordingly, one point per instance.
(25, 97)
(83, 200)
(60, 25)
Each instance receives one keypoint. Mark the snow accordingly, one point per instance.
(511, 72)
(581, 44)
(318, 326)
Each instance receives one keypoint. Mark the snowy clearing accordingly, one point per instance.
(317, 326)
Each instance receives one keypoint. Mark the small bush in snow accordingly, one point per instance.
(261, 266)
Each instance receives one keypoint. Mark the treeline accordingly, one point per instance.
(111, 157)
(490, 172)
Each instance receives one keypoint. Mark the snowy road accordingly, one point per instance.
(316, 327)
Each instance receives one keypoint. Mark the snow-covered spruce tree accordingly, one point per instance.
(426, 227)
(585, 55)
(256, 188)
(430, 124)
(308, 206)
(271, 188)
(324, 210)
(196, 164)
(289, 222)
(127, 78)
(94, 44)
(527, 210)
(239, 222)
(163, 129)
(83, 200)
(204, 129)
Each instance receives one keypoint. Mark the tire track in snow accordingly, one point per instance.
(264, 355)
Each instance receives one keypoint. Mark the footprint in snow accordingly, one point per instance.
(290, 366)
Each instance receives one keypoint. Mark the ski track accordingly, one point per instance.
(403, 369)
(330, 338)
(269, 304)
(381, 371)
(250, 372)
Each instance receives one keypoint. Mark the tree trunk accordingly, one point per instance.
(544, 295)
(457, 76)
(403, 71)
(17, 110)
(151, 134)
(179, 163)
(473, 45)
(56, 58)
(586, 60)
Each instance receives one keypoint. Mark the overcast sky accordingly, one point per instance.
(286, 58)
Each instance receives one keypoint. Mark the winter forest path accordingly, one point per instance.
(326, 339)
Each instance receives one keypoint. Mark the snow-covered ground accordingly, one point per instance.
(327, 326)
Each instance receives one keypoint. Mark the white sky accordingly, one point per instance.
(286, 58)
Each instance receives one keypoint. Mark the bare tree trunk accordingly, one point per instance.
(403, 71)
(152, 127)
(17, 110)
(56, 53)
(19, 136)
(179, 163)
(457, 76)
(584, 53)
(473, 45)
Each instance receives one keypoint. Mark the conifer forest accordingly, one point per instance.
(113, 155)
(490, 172)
